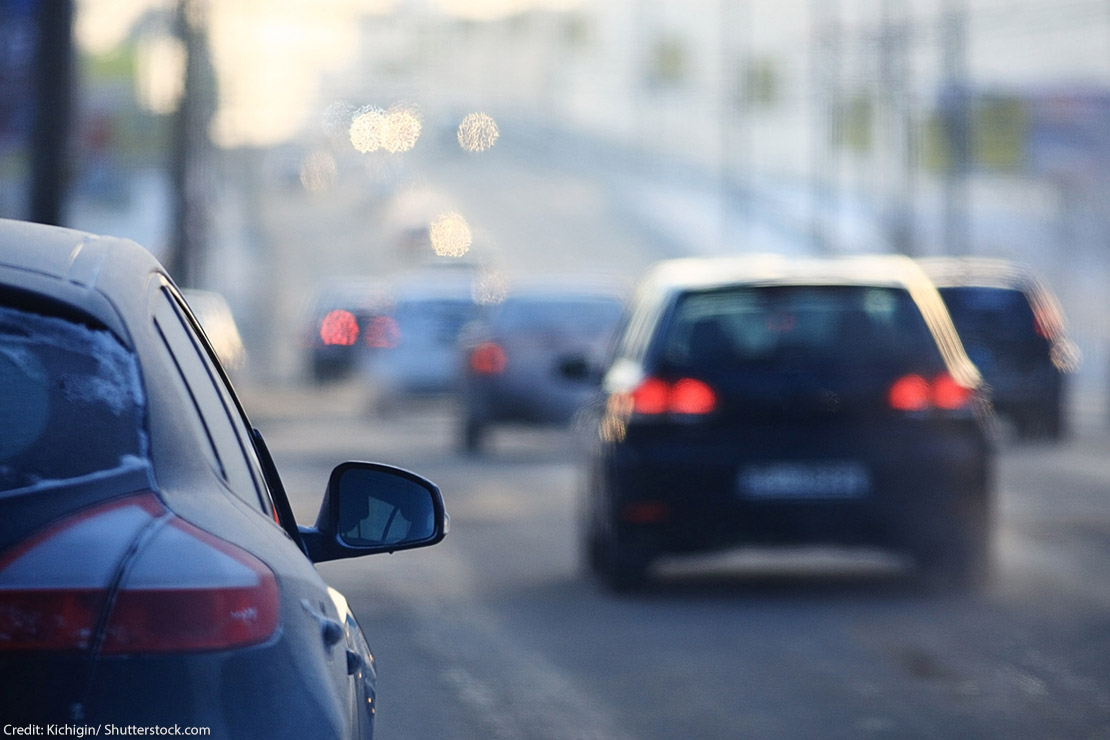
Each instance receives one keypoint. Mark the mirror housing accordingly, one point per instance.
(370, 508)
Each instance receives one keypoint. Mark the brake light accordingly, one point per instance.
(383, 333)
(651, 397)
(689, 396)
(948, 394)
(685, 396)
(915, 393)
(488, 358)
(182, 589)
(339, 327)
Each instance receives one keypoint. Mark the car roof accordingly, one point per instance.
(92, 273)
(769, 269)
(991, 272)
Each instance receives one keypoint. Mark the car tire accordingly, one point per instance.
(1055, 423)
(960, 559)
(620, 564)
(472, 436)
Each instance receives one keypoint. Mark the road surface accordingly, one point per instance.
(497, 632)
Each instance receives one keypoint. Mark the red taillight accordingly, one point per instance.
(488, 359)
(651, 397)
(383, 333)
(909, 393)
(915, 393)
(686, 396)
(339, 327)
(645, 512)
(689, 396)
(949, 394)
(189, 590)
(182, 589)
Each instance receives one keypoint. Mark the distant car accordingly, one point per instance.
(151, 572)
(340, 320)
(1015, 331)
(218, 323)
(514, 356)
(771, 401)
(416, 353)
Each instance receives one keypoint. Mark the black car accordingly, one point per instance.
(515, 353)
(776, 401)
(151, 572)
(1015, 332)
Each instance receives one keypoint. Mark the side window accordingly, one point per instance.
(232, 450)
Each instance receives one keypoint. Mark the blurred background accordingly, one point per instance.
(224, 137)
(305, 166)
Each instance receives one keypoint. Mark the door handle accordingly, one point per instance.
(330, 630)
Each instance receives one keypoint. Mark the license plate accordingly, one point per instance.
(791, 480)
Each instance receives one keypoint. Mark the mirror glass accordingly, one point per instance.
(378, 507)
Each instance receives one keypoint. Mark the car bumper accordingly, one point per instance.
(265, 691)
(793, 485)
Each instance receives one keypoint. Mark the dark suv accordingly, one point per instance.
(1014, 331)
(767, 400)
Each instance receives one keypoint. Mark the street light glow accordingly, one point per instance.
(450, 235)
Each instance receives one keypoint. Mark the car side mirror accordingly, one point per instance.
(371, 508)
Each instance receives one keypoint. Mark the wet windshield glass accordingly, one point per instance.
(72, 403)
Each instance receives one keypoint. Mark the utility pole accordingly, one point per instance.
(894, 41)
(52, 116)
(827, 111)
(955, 109)
(190, 165)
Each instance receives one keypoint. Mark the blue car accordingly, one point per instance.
(151, 572)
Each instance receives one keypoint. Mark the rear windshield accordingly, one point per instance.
(812, 326)
(72, 403)
(436, 321)
(582, 316)
(992, 316)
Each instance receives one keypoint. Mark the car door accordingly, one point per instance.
(316, 620)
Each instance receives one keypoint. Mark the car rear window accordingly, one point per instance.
(433, 321)
(993, 315)
(72, 401)
(584, 316)
(815, 326)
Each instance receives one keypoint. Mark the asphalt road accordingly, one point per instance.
(497, 632)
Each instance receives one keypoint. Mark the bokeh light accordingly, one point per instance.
(396, 130)
(366, 129)
(400, 130)
(450, 235)
(491, 287)
(478, 132)
(339, 328)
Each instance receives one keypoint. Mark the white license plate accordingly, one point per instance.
(791, 480)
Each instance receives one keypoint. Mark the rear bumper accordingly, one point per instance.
(678, 494)
(507, 399)
(257, 692)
